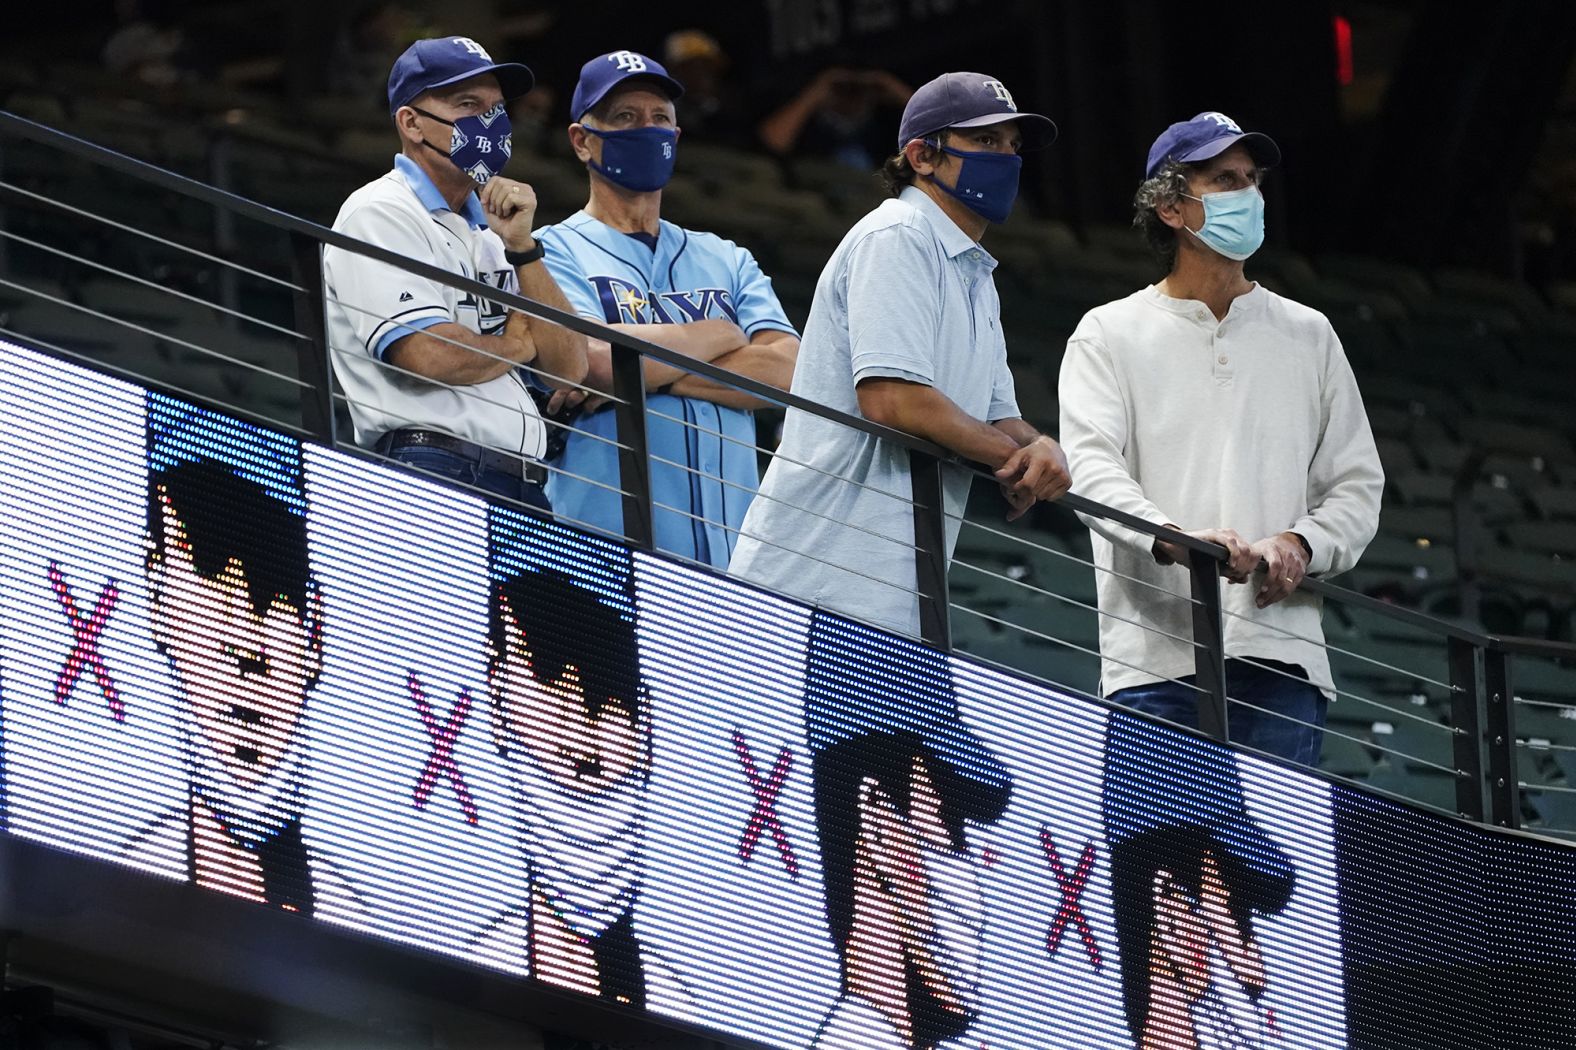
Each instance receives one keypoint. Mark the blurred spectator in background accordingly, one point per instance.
(845, 114)
(366, 46)
(143, 49)
(712, 108)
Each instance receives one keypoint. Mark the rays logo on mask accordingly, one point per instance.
(483, 144)
(480, 145)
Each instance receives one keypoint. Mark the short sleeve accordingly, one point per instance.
(382, 302)
(1003, 394)
(569, 273)
(754, 299)
(893, 280)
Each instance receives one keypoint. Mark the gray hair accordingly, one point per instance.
(1165, 187)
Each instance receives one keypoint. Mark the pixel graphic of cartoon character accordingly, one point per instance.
(1190, 869)
(235, 610)
(898, 780)
(572, 720)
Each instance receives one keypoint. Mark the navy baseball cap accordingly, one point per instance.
(1208, 135)
(1155, 777)
(180, 432)
(861, 681)
(969, 100)
(441, 61)
(605, 72)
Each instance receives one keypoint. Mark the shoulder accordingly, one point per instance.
(573, 226)
(703, 242)
(896, 231)
(384, 199)
(1116, 317)
(1291, 314)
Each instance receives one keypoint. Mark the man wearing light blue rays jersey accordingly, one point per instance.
(619, 263)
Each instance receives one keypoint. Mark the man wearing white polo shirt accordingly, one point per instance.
(1210, 403)
(432, 374)
(905, 330)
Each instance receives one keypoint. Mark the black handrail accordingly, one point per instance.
(1469, 647)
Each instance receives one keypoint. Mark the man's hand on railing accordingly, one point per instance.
(1037, 471)
(1240, 562)
(1285, 564)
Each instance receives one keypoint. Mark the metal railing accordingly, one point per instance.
(1483, 763)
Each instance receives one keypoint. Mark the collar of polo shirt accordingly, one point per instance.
(430, 198)
(953, 240)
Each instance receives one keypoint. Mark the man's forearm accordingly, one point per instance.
(926, 412)
(453, 354)
(1019, 430)
(560, 352)
(770, 359)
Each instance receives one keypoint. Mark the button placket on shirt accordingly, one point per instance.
(1222, 365)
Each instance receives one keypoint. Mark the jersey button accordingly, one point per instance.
(1222, 359)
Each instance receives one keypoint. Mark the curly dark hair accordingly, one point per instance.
(1166, 186)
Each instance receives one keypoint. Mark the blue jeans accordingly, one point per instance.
(1286, 717)
(446, 464)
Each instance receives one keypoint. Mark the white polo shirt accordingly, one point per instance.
(371, 304)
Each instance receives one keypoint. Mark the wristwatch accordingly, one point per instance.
(522, 258)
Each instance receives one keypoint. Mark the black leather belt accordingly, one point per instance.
(484, 458)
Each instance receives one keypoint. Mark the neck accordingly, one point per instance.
(873, 959)
(624, 210)
(561, 956)
(452, 183)
(1207, 276)
(219, 862)
(965, 218)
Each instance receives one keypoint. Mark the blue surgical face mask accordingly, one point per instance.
(1233, 222)
(987, 181)
(640, 159)
(480, 145)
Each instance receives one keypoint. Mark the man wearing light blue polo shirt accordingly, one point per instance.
(905, 330)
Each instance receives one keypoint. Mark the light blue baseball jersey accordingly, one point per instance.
(615, 278)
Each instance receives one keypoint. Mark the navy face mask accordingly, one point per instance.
(987, 181)
(640, 159)
(480, 145)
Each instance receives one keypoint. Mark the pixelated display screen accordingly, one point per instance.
(339, 690)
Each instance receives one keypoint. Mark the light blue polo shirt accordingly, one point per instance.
(909, 295)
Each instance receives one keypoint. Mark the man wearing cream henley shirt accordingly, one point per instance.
(1210, 403)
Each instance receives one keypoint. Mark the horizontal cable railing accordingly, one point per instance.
(1458, 722)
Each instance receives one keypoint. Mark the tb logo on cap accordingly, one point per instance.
(1224, 121)
(1002, 94)
(628, 61)
(473, 47)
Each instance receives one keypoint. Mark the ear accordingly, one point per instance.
(922, 158)
(407, 123)
(312, 617)
(580, 141)
(1170, 213)
(879, 825)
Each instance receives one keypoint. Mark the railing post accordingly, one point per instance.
(1504, 791)
(634, 462)
(930, 551)
(1209, 637)
(312, 357)
(1466, 727)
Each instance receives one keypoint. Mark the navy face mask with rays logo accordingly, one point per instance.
(480, 145)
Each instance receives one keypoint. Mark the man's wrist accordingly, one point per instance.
(1307, 550)
(533, 252)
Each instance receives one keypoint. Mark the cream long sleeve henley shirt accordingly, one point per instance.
(1253, 423)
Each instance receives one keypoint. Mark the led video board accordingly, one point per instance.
(341, 690)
